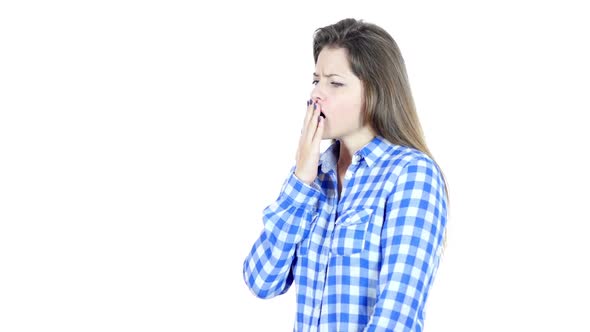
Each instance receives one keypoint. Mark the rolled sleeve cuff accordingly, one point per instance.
(301, 193)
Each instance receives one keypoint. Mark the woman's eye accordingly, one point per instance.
(333, 83)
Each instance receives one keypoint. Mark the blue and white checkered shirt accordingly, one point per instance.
(364, 262)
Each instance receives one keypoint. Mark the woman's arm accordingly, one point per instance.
(267, 268)
(411, 243)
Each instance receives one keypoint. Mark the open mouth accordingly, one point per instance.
(322, 114)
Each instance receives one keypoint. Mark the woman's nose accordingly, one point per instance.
(316, 93)
(316, 97)
(315, 100)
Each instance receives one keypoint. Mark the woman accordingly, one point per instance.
(358, 228)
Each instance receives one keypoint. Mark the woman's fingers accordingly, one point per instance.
(312, 123)
(308, 152)
(319, 131)
(308, 114)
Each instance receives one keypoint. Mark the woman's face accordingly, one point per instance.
(338, 92)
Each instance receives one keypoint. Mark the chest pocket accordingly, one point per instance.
(351, 232)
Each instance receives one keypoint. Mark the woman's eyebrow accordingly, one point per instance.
(328, 75)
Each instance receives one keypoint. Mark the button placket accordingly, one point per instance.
(353, 166)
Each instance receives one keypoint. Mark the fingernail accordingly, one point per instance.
(314, 106)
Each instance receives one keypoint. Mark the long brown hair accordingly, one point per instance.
(375, 58)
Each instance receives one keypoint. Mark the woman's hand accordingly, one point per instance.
(308, 152)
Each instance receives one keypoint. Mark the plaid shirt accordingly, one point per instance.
(364, 262)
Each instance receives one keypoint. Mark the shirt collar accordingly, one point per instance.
(370, 152)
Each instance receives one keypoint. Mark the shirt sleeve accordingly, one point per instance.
(267, 268)
(411, 244)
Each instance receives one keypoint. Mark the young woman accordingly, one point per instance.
(359, 227)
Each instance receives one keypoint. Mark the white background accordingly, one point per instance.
(141, 140)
